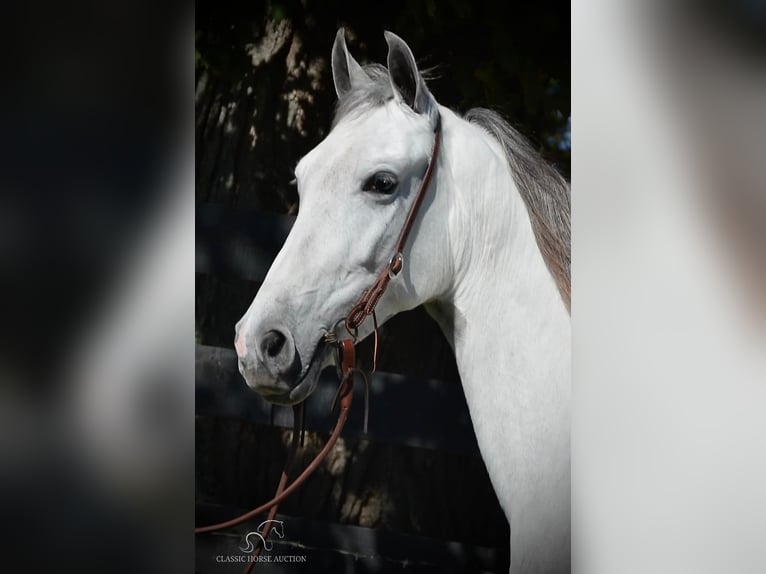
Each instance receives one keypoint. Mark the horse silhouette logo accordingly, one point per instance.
(277, 527)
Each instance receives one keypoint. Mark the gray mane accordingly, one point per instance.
(544, 191)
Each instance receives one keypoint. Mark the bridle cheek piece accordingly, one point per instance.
(346, 348)
(365, 305)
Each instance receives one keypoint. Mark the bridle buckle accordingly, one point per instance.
(395, 265)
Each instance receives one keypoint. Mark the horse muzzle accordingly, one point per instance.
(271, 365)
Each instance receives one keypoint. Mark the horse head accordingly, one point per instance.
(356, 188)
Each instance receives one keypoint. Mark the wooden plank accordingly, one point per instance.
(403, 410)
(317, 546)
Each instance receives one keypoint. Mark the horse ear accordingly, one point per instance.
(346, 72)
(409, 86)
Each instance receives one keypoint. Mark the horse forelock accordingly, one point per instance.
(368, 95)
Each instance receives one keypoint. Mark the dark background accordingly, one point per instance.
(268, 73)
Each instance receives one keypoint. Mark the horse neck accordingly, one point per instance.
(510, 332)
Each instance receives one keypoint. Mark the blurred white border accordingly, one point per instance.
(669, 385)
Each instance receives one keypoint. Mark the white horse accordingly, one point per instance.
(488, 256)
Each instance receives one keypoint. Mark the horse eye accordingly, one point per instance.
(381, 182)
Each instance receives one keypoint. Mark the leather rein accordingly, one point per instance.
(363, 308)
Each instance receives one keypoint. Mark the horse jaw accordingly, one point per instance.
(510, 331)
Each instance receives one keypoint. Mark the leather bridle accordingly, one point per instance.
(363, 308)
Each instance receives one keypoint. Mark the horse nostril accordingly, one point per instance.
(272, 343)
